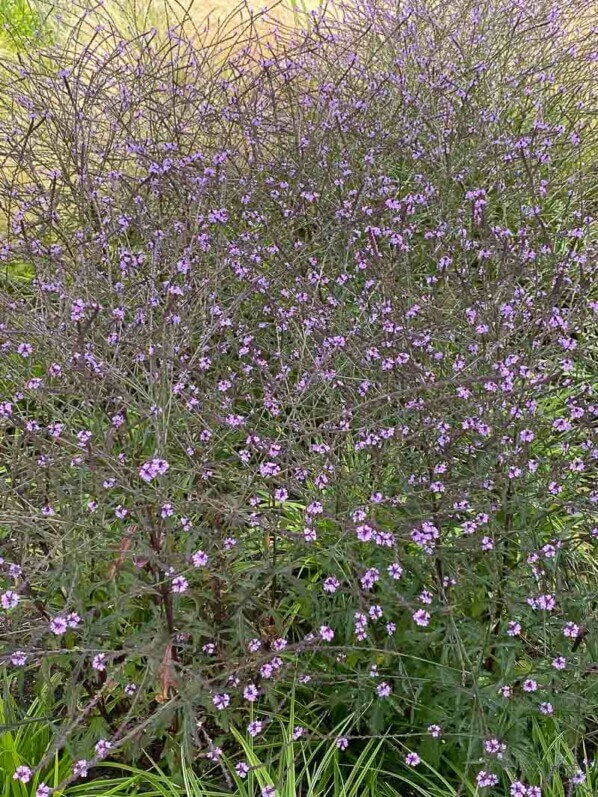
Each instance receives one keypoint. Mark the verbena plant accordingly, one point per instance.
(299, 388)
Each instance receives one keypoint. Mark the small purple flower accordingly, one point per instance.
(179, 584)
(18, 658)
(251, 693)
(494, 747)
(421, 617)
(58, 626)
(571, 630)
(254, 727)
(412, 759)
(98, 662)
(485, 779)
(383, 689)
(22, 774)
(199, 559)
(25, 349)
(80, 768)
(153, 468)
(242, 769)
(166, 510)
(435, 731)
(342, 742)
(514, 628)
(395, 570)
(326, 633)
(102, 747)
(221, 701)
(9, 599)
(518, 789)
(529, 685)
(73, 620)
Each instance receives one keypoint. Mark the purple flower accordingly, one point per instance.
(421, 617)
(25, 349)
(395, 570)
(80, 768)
(98, 662)
(485, 779)
(58, 626)
(199, 559)
(73, 620)
(179, 584)
(214, 754)
(331, 584)
(529, 685)
(153, 468)
(221, 701)
(494, 747)
(251, 693)
(22, 774)
(102, 747)
(412, 759)
(383, 689)
(18, 658)
(326, 633)
(514, 628)
(254, 727)
(9, 599)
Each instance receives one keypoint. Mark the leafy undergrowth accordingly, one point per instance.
(297, 433)
(288, 763)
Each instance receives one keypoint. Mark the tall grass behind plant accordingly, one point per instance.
(23, 24)
(223, 26)
(25, 737)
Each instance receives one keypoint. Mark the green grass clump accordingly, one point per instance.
(22, 25)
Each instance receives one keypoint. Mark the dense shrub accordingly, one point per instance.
(299, 384)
